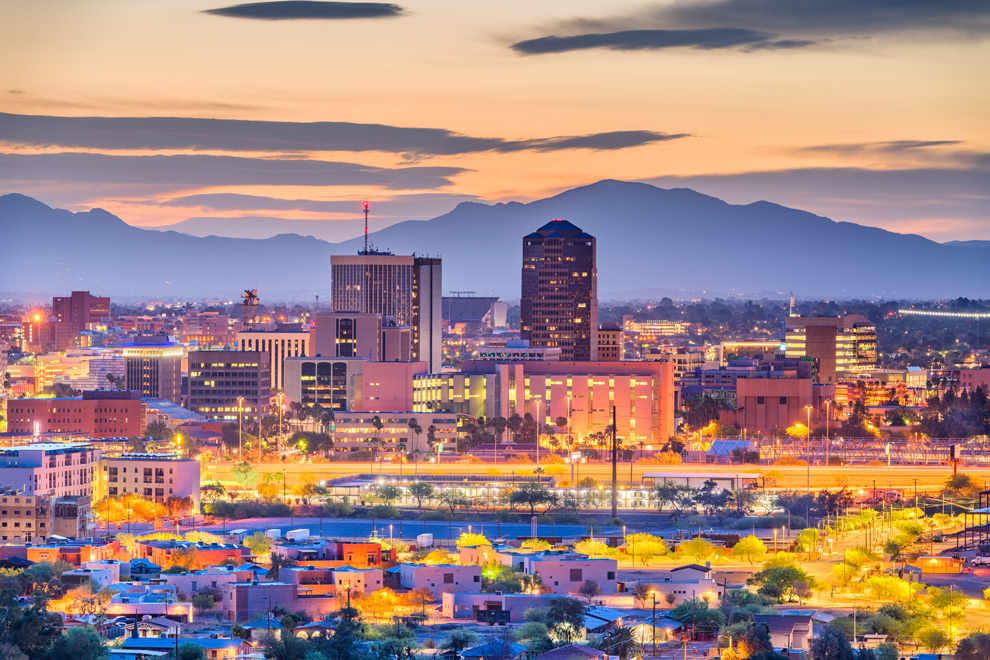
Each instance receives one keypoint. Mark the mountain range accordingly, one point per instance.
(651, 242)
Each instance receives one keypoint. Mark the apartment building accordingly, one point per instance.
(155, 477)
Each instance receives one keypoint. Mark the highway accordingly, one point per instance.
(906, 477)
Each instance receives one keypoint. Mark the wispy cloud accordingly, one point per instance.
(202, 170)
(753, 25)
(305, 9)
(712, 38)
(179, 133)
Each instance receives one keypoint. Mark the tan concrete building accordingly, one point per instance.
(279, 344)
(154, 477)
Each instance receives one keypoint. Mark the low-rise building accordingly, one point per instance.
(441, 578)
(358, 580)
(151, 600)
(359, 555)
(155, 477)
(213, 648)
(792, 632)
(685, 583)
(49, 468)
(213, 577)
(206, 554)
(565, 572)
(309, 579)
(468, 606)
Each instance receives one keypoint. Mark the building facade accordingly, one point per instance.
(279, 345)
(153, 365)
(97, 414)
(225, 384)
(155, 477)
(845, 346)
(611, 343)
(559, 303)
(54, 469)
(334, 383)
(405, 288)
(74, 313)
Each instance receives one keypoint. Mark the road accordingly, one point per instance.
(856, 476)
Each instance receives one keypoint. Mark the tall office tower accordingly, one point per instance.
(218, 378)
(845, 346)
(73, 313)
(279, 344)
(559, 304)
(407, 288)
(355, 335)
(153, 366)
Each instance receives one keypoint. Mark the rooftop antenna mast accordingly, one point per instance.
(366, 227)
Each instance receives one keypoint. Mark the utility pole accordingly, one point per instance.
(615, 475)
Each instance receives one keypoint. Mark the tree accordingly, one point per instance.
(277, 563)
(830, 644)
(189, 652)
(33, 630)
(459, 639)
(750, 548)
(467, 539)
(213, 492)
(589, 589)
(258, 544)
(974, 647)
(890, 651)
(642, 593)
(245, 475)
(159, 431)
(537, 545)
(421, 492)
(932, 639)
(187, 558)
(565, 618)
(285, 647)
(645, 547)
(347, 635)
(697, 548)
(533, 495)
(80, 643)
(388, 493)
(777, 580)
(452, 498)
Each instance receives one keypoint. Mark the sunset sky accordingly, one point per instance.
(869, 111)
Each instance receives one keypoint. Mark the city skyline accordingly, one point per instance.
(868, 112)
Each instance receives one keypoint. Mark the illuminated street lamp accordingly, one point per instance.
(240, 426)
(807, 448)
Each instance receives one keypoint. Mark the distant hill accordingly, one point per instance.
(266, 227)
(651, 242)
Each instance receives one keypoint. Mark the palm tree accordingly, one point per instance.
(414, 427)
(431, 437)
(327, 419)
(377, 423)
(515, 423)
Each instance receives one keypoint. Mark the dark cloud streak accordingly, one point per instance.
(303, 9)
(178, 133)
(711, 38)
(202, 170)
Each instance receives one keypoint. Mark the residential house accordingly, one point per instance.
(564, 573)
(469, 606)
(441, 578)
(358, 580)
(153, 600)
(157, 627)
(788, 631)
(573, 652)
(213, 649)
(497, 649)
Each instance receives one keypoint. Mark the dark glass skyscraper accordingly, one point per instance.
(559, 303)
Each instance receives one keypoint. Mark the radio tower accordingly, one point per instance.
(366, 227)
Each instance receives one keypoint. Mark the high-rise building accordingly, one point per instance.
(844, 346)
(611, 343)
(217, 379)
(355, 335)
(279, 344)
(153, 366)
(406, 288)
(559, 303)
(73, 313)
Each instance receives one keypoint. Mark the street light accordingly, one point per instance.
(240, 426)
(807, 447)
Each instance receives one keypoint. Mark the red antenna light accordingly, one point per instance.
(366, 227)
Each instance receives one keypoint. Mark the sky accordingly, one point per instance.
(867, 111)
